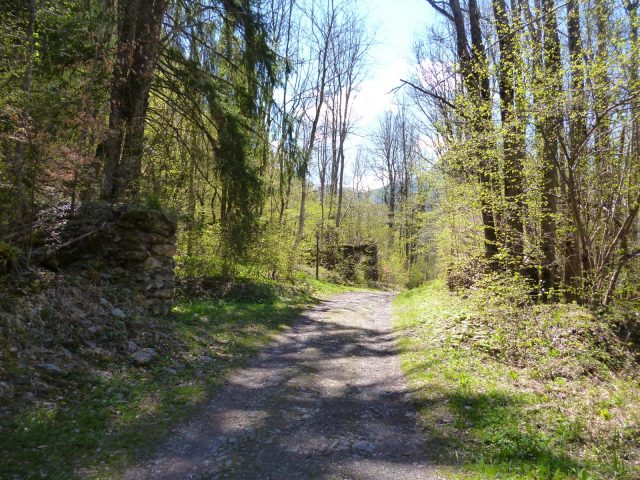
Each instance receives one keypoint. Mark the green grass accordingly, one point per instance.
(98, 422)
(493, 414)
(322, 288)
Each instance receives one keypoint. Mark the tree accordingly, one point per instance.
(513, 131)
(388, 163)
(322, 35)
(473, 70)
(139, 28)
(348, 54)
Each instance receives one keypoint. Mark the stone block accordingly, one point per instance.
(164, 250)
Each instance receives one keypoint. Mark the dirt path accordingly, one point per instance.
(327, 400)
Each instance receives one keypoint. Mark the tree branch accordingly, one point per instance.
(432, 95)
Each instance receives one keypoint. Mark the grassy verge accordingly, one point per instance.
(519, 391)
(97, 421)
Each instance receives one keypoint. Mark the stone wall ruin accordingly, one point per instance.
(128, 246)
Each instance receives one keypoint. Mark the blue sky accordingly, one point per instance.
(394, 24)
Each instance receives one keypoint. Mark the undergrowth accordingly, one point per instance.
(512, 390)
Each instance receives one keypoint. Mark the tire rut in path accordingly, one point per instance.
(326, 400)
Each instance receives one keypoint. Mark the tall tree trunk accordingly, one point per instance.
(19, 156)
(335, 166)
(344, 125)
(302, 215)
(319, 101)
(191, 204)
(340, 182)
(513, 130)
(392, 199)
(473, 70)
(481, 98)
(577, 134)
(632, 7)
(550, 131)
(139, 27)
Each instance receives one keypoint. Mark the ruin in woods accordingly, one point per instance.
(355, 263)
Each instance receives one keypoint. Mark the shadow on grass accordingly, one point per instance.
(484, 433)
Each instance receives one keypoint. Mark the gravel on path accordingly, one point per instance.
(326, 400)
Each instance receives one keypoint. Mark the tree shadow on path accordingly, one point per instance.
(327, 400)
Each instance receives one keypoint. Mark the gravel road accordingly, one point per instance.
(326, 400)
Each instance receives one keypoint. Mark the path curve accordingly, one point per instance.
(326, 400)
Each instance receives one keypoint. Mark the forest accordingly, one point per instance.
(181, 179)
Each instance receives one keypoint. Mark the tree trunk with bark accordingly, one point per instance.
(513, 130)
(550, 131)
(139, 28)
